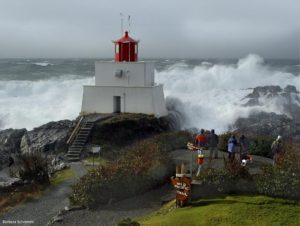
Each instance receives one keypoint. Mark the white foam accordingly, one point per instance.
(43, 64)
(212, 96)
(28, 104)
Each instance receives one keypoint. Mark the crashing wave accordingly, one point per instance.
(213, 97)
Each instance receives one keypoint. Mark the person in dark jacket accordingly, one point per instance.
(213, 140)
(231, 144)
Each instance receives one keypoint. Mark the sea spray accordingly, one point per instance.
(28, 104)
(212, 96)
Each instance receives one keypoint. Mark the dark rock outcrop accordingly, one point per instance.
(123, 129)
(269, 91)
(50, 137)
(10, 140)
(287, 97)
(271, 124)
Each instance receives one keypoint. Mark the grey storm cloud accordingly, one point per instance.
(174, 29)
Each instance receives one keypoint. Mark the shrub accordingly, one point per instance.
(143, 166)
(261, 146)
(235, 170)
(173, 140)
(34, 167)
(124, 129)
(227, 179)
(283, 179)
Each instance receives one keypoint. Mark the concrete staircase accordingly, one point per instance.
(80, 138)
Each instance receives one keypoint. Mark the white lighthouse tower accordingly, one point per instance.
(125, 84)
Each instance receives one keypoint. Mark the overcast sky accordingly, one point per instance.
(165, 28)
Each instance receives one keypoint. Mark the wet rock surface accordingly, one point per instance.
(48, 138)
(10, 140)
(272, 124)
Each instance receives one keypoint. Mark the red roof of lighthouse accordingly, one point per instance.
(126, 38)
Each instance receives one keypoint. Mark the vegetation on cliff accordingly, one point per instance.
(120, 130)
(141, 166)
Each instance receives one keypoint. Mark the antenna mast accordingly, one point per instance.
(121, 16)
(128, 23)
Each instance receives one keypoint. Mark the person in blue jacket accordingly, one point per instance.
(231, 144)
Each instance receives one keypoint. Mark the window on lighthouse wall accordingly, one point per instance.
(117, 48)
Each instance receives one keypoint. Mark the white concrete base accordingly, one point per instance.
(102, 99)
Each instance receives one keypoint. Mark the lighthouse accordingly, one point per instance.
(124, 85)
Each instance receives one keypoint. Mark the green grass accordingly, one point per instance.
(228, 211)
(62, 176)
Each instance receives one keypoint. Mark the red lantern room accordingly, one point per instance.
(126, 49)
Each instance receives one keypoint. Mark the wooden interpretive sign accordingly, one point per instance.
(183, 189)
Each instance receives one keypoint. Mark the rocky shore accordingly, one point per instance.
(272, 124)
(50, 138)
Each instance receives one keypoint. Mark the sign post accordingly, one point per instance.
(95, 150)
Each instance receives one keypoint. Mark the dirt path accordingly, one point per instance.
(187, 157)
(40, 211)
(111, 214)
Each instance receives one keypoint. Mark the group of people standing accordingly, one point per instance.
(212, 140)
(232, 144)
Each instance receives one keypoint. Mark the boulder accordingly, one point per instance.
(50, 137)
(10, 140)
(47, 138)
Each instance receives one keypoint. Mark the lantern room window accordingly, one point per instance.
(126, 49)
(117, 48)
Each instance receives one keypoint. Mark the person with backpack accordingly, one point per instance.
(213, 140)
(276, 148)
(231, 145)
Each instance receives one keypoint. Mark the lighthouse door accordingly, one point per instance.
(117, 104)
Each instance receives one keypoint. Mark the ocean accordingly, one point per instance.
(209, 92)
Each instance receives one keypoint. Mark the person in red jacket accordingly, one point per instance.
(201, 139)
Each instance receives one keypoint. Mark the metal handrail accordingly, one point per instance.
(75, 131)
